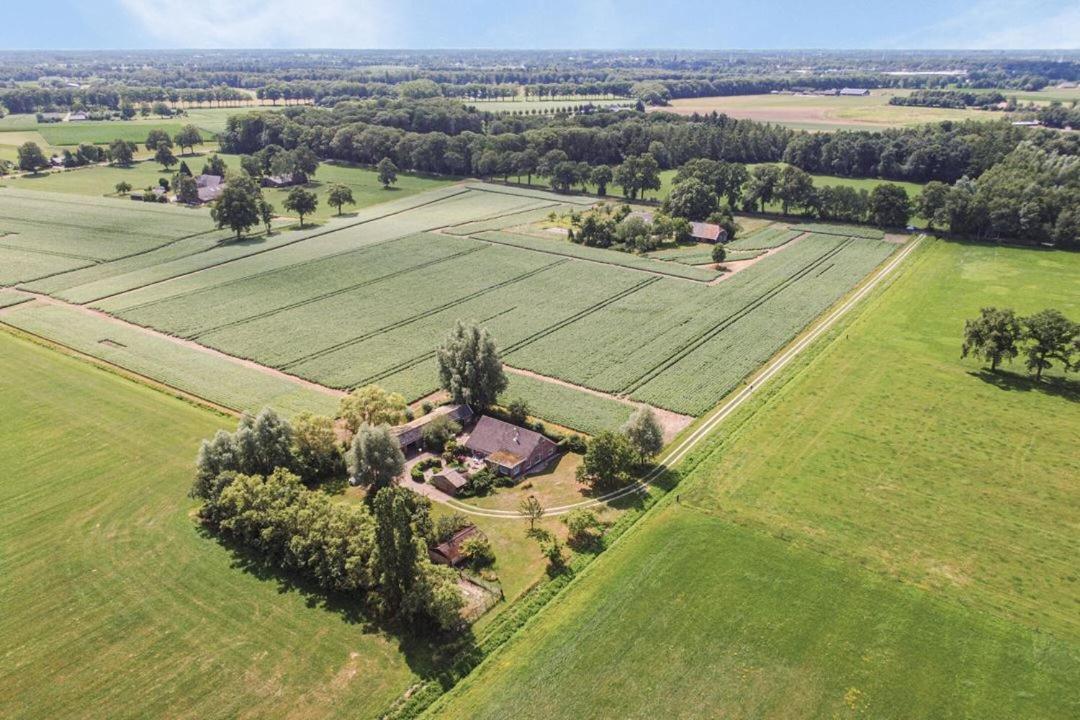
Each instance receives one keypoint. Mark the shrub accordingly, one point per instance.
(447, 525)
(439, 432)
(417, 473)
(477, 552)
(426, 407)
(480, 483)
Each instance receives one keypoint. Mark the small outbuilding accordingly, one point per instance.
(410, 436)
(449, 552)
(708, 232)
(278, 181)
(209, 187)
(508, 449)
(450, 481)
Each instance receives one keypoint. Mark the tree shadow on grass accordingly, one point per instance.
(1015, 382)
(427, 652)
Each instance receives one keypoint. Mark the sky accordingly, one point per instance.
(531, 24)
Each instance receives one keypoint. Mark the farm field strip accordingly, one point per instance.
(506, 221)
(765, 239)
(533, 193)
(727, 321)
(565, 248)
(842, 230)
(204, 374)
(565, 406)
(461, 300)
(10, 297)
(608, 351)
(238, 299)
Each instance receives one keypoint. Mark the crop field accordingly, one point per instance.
(9, 297)
(113, 604)
(841, 230)
(820, 112)
(366, 299)
(558, 245)
(872, 539)
(190, 370)
(765, 239)
(523, 106)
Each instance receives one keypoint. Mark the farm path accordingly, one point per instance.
(672, 422)
(678, 452)
(191, 344)
(739, 265)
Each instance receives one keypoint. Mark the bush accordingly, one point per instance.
(439, 432)
(417, 473)
(575, 444)
(477, 552)
(426, 407)
(480, 483)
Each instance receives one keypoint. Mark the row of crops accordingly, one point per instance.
(765, 239)
(859, 231)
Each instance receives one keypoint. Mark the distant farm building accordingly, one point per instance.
(450, 552)
(410, 436)
(708, 232)
(209, 187)
(278, 181)
(450, 481)
(508, 449)
(854, 91)
(77, 116)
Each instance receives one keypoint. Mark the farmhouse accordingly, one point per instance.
(209, 187)
(449, 552)
(450, 481)
(854, 91)
(508, 449)
(708, 232)
(410, 436)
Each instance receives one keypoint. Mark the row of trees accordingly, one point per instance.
(999, 334)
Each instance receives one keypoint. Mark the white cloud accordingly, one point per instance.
(269, 24)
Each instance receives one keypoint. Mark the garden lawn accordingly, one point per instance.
(888, 533)
(115, 605)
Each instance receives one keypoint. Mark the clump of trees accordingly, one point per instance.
(252, 484)
(999, 335)
(612, 457)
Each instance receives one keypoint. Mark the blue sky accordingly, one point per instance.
(702, 24)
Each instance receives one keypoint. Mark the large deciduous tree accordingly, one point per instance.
(156, 139)
(188, 137)
(644, 433)
(302, 202)
(889, 206)
(608, 461)
(469, 366)
(992, 336)
(237, 208)
(374, 457)
(31, 157)
(371, 405)
(339, 196)
(691, 199)
(1050, 336)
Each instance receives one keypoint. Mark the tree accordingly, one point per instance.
(398, 551)
(121, 152)
(583, 527)
(339, 196)
(469, 366)
(992, 335)
(374, 457)
(215, 165)
(719, 252)
(315, 447)
(439, 432)
(644, 433)
(607, 462)
(635, 234)
(187, 190)
(531, 508)
(519, 411)
(387, 172)
(637, 174)
(188, 137)
(691, 199)
(165, 157)
(889, 206)
(302, 202)
(930, 204)
(156, 139)
(1051, 336)
(601, 176)
(761, 186)
(795, 188)
(266, 213)
(526, 163)
(371, 405)
(31, 158)
(123, 187)
(237, 207)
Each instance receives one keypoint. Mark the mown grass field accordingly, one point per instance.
(114, 605)
(889, 533)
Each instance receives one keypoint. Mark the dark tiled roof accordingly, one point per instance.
(450, 551)
(492, 435)
(413, 430)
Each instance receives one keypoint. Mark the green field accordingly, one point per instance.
(363, 182)
(611, 321)
(872, 539)
(531, 106)
(115, 605)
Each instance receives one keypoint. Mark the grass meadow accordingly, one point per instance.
(115, 605)
(887, 533)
